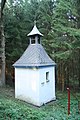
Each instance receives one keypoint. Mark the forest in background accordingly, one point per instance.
(59, 21)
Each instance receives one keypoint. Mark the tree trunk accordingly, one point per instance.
(67, 74)
(63, 82)
(79, 68)
(2, 54)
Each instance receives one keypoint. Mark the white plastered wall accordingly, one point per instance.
(46, 88)
(27, 85)
(32, 87)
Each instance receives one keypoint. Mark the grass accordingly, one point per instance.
(13, 109)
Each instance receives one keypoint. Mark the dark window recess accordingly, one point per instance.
(47, 76)
(39, 40)
(33, 41)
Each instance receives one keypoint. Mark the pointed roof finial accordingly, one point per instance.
(34, 22)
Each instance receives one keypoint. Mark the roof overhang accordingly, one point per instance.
(40, 66)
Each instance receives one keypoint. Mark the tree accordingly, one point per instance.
(65, 35)
(58, 20)
(18, 18)
(78, 42)
(2, 45)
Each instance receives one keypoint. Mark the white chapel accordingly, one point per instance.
(35, 73)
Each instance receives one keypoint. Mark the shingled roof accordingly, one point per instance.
(35, 55)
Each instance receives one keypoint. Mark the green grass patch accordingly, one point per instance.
(13, 109)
